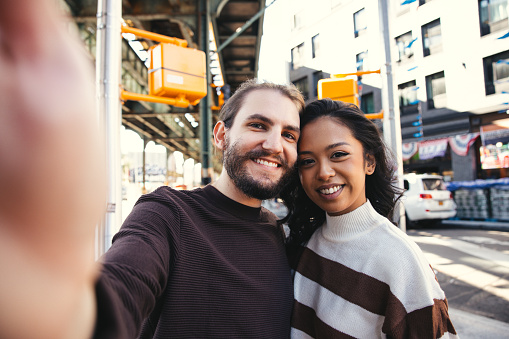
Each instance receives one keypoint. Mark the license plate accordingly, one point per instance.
(440, 203)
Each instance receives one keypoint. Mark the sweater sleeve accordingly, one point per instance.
(135, 269)
(417, 306)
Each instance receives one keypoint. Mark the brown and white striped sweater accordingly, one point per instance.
(360, 276)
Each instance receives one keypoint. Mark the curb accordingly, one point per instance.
(478, 224)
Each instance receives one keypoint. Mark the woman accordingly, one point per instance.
(357, 275)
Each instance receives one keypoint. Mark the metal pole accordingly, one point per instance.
(391, 121)
(205, 111)
(108, 65)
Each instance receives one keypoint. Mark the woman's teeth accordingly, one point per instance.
(330, 190)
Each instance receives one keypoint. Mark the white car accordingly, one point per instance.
(426, 199)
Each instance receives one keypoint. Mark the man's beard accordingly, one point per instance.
(235, 166)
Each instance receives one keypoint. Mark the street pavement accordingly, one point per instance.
(472, 267)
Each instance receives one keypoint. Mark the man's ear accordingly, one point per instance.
(370, 164)
(219, 135)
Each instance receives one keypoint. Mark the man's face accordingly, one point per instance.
(260, 148)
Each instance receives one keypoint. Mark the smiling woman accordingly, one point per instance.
(352, 265)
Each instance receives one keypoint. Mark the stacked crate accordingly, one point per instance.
(472, 203)
(499, 198)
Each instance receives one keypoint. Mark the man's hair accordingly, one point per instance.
(232, 106)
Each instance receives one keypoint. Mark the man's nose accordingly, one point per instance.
(273, 143)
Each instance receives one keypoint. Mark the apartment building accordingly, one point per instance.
(450, 63)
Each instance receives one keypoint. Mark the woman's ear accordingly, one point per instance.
(219, 135)
(370, 164)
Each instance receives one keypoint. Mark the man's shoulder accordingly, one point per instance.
(166, 194)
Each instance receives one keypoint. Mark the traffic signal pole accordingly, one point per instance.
(391, 118)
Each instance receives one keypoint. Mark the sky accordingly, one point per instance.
(274, 53)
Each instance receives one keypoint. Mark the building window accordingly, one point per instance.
(359, 22)
(496, 73)
(359, 61)
(302, 86)
(493, 15)
(298, 20)
(404, 43)
(368, 103)
(407, 94)
(298, 56)
(315, 45)
(319, 75)
(435, 90)
(432, 38)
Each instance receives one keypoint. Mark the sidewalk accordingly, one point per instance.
(469, 272)
(473, 326)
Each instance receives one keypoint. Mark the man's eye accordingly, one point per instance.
(256, 125)
(289, 136)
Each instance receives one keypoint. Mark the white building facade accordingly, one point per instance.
(450, 62)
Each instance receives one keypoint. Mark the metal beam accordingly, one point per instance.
(244, 27)
(206, 113)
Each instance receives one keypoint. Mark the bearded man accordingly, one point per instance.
(210, 262)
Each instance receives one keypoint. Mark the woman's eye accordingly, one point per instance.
(339, 154)
(305, 162)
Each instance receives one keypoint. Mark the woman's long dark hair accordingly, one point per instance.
(304, 216)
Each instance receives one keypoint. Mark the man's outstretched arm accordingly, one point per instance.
(52, 176)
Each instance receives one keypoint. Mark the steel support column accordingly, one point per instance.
(205, 111)
(108, 70)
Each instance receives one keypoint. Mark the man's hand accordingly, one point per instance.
(52, 175)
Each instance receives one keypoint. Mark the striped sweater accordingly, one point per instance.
(195, 264)
(360, 276)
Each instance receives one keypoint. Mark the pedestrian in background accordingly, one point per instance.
(357, 275)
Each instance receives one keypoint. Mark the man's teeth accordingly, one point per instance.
(330, 190)
(266, 163)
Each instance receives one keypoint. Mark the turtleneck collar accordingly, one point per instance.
(349, 225)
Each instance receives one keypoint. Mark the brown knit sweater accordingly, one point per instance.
(195, 264)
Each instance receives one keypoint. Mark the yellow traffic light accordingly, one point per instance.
(177, 72)
(339, 89)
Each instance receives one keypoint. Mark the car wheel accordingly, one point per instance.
(410, 223)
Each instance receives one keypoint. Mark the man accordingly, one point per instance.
(203, 263)
(211, 262)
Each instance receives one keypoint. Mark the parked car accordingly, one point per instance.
(426, 199)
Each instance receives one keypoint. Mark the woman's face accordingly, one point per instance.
(332, 166)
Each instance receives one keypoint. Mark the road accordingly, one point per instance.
(472, 267)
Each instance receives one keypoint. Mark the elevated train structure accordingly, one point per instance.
(230, 30)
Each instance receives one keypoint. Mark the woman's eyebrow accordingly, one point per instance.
(329, 147)
(336, 145)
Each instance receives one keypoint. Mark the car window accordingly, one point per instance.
(433, 184)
